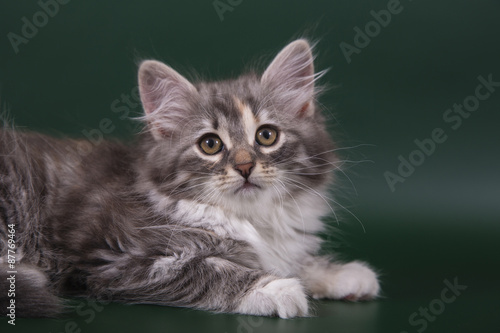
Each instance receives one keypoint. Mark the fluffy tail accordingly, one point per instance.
(26, 293)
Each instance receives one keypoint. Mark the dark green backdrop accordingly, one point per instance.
(441, 224)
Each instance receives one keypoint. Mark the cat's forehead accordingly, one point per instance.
(247, 83)
(231, 104)
(224, 94)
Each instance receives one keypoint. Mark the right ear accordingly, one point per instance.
(166, 97)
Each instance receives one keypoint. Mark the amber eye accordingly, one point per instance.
(211, 144)
(266, 136)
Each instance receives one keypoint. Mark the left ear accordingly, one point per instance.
(290, 79)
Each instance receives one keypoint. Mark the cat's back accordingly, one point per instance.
(23, 152)
(41, 169)
(59, 191)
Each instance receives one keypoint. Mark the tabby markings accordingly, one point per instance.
(248, 120)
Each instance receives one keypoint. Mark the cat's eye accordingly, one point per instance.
(211, 144)
(266, 136)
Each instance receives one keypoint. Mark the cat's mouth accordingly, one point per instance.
(247, 186)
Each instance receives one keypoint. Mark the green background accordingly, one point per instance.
(442, 223)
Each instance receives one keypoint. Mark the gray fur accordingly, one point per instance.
(87, 225)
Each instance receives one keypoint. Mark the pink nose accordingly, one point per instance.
(245, 169)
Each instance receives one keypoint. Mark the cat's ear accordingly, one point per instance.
(290, 79)
(166, 97)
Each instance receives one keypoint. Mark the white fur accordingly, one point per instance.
(249, 121)
(352, 281)
(34, 275)
(281, 237)
(283, 297)
(164, 265)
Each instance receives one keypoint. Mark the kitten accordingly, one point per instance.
(216, 206)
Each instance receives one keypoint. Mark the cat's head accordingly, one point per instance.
(252, 140)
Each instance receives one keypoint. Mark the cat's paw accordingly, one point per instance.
(281, 297)
(353, 281)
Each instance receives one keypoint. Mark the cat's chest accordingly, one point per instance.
(282, 238)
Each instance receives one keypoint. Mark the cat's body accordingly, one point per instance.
(216, 207)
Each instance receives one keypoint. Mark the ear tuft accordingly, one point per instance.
(166, 96)
(290, 78)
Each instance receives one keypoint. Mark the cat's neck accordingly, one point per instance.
(301, 212)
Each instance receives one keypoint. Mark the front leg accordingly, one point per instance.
(213, 275)
(352, 281)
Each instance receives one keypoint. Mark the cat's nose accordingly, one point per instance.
(245, 169)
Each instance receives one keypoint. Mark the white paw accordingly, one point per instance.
(282, 297)
(353, 281)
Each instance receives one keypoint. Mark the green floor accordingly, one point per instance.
(415, 258)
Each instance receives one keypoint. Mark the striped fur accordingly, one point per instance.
(159, 221)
